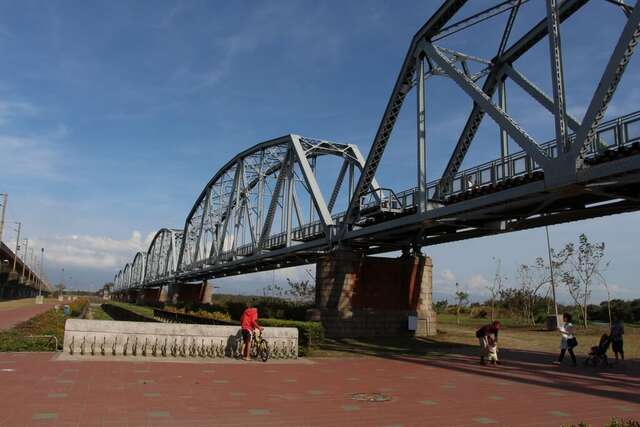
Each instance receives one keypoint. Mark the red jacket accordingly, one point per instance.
(249, 319)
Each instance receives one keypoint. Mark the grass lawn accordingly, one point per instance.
(454, 339)
(51, 323)
(48, 323)
(138, 309)
(97, 313)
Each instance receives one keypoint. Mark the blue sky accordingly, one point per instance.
(114, 115)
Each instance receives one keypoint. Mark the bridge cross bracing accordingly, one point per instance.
(265, 208)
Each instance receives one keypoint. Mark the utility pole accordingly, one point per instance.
(4, 208)
(15, 255)
(41, 271)
(26, 251)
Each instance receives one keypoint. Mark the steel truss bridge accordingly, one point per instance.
(266, 208)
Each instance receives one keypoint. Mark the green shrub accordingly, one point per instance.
(622, 423)
(310, 334)
(215, 315)
(615, 422)
(50, 322)
(77, 307)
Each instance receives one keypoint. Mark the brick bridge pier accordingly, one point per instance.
(363, 296)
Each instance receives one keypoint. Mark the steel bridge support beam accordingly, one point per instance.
(557, 76)
(608, 82)
(484, 101)
(422, 140)
(400, 91)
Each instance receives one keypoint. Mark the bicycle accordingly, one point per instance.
(259, 347)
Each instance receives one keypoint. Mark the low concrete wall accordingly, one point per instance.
(103, 338)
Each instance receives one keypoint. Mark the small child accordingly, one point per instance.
(492, 349)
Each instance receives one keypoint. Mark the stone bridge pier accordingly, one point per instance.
(199, 292)
(363, 296)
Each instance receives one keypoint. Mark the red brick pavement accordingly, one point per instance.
(452, 390)
(11, 317)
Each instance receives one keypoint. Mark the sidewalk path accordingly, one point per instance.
(12, 316)
(451, 390)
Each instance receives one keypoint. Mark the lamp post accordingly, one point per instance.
(553, 282)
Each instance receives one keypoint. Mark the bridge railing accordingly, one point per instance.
(611, 136)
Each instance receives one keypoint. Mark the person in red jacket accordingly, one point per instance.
(248, 323)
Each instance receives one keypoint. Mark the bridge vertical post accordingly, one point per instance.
(422, 148)
(504, 136)
(557, 77)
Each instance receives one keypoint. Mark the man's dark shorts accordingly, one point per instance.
(246, 335)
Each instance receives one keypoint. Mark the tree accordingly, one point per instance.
(440, 306)
(462, 298)
(496, 286)
(301, 291)
(586, 262)
(606, 288)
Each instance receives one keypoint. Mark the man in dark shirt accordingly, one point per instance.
(482, 334)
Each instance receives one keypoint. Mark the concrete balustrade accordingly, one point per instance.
(104, 339)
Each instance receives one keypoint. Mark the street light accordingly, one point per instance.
(553, 282)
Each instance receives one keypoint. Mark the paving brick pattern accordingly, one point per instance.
(445, 391)
(11, 317)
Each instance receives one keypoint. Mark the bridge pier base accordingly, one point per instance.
(189, 293)
(360, 296)
(149, 296)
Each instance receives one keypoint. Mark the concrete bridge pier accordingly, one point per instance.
(199, 292)
(151, 295)
(362, 296)
(13, 286)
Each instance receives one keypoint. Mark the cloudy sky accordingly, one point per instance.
(114, 115)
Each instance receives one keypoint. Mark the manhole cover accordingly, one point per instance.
(370, 397)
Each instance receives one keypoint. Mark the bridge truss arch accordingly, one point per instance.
(162, 256)
(268, 197)
(138, 266)
(126, 276)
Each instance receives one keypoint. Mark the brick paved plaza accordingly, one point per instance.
(446, 390)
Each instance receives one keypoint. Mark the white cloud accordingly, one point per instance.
(10, 110)
(448, 276)
(87, 251)
(477, 284)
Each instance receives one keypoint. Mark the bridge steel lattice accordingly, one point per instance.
(265, 209)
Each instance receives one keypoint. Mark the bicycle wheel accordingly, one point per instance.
(264, 351)
(254, 350)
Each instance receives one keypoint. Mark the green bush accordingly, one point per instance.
(310, 334)
(77, 307)
(234, 306)
(615, 422)
(50, 322)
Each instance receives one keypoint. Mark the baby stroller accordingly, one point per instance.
(598, 354)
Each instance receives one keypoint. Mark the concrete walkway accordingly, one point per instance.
(14, 312)
(451, 390)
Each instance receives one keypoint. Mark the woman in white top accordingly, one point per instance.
(568, 341)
